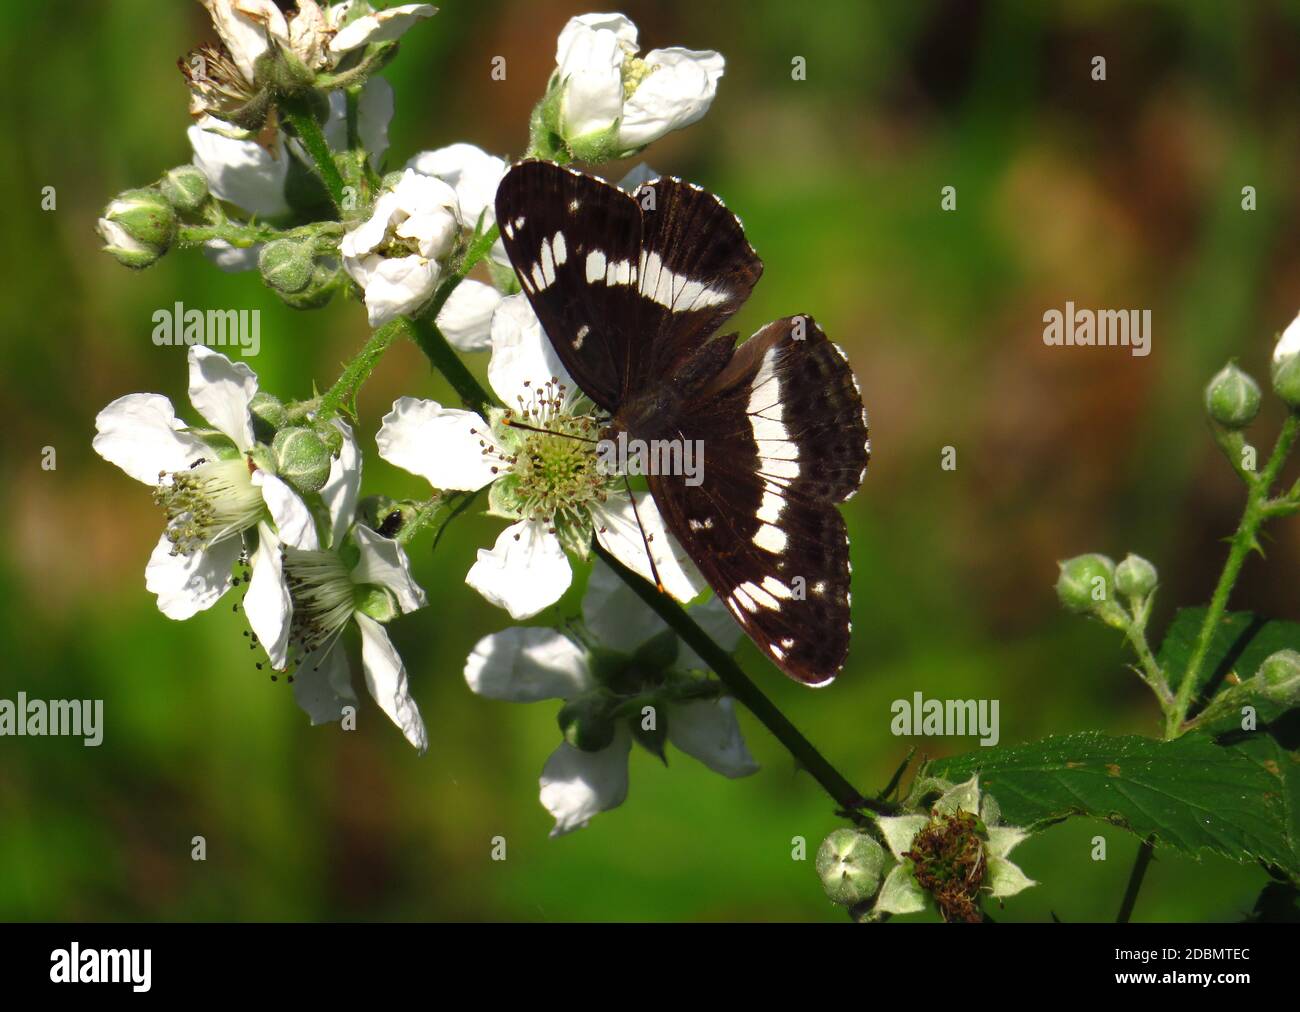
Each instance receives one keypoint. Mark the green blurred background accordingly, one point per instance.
(1123, 193)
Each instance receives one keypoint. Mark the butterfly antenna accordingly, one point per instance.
(546, 432)
(645, 538)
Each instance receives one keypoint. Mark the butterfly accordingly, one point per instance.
(633, 289)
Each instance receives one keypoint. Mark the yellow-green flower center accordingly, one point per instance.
(213, 500)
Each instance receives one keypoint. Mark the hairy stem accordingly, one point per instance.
(1244, 541)
(313, 141)
(342, 395)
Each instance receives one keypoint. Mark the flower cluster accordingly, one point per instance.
(261, 496)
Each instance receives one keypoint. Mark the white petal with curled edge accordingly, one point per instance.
(398, 285)
(244, 26)
(578, 27)
(613, 613)
(471, 172)
(242, 173)
(525, 665)
(294, 523)
(341, 488)
(384, 564)
(466, 318)
(383, 26)
(439, 444)
(577, 785)
(141, 434)
(676, 93)
(707, 729)
(322, 685)
(591, 69)
(525, 571)
(189, 584)
(221, 391)
(387, 682)
(618, 531)
(522, 357)
(267, 604)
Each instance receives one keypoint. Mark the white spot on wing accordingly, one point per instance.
(771, 539)
(559, 249)
(595, 266)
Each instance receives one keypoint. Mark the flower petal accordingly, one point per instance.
(386, 25)
(244, 26)
(591, 69)
(522, 356)
(439, 444)
(618, 531)
(267, 603)
(900, 894)
(397, 285)
(189, 584)
(322, 685)
(613, 613)
(242, 173)
(141, 434)
(466, 318)
(577, 785)
(221, 391)
(341, 488)
(386, 680)
(471, 172)
(384, 563)
(900, 830)
(375, 106)
(524, 665)
(707, 729)
(676, 93)
(525, 571)
(294, 523)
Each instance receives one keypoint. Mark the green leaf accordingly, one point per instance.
(1180, 640)
(1241, 801)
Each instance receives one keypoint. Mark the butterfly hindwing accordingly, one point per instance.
(784, 439)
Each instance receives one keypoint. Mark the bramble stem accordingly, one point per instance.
(1244, 541)
(745, 691)
(313, 141)
(342, 394)
(1140, 865)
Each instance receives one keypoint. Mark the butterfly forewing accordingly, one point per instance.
(631, 290)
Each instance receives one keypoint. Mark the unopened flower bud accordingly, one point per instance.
(1232, 398)
(302, 458)
(185, 187)
(1135, 577)
(586, 722)
(1286, 365)
(286, 265)
(331, 436)
(325, 280)
(138, 227)
(850, 865)
(1086, 582)
(269, 415)
(1279, 677)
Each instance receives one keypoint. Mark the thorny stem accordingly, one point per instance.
(1258, 509)
(1135, 878)
(342, 394)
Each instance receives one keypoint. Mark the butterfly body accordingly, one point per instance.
(632, 291)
